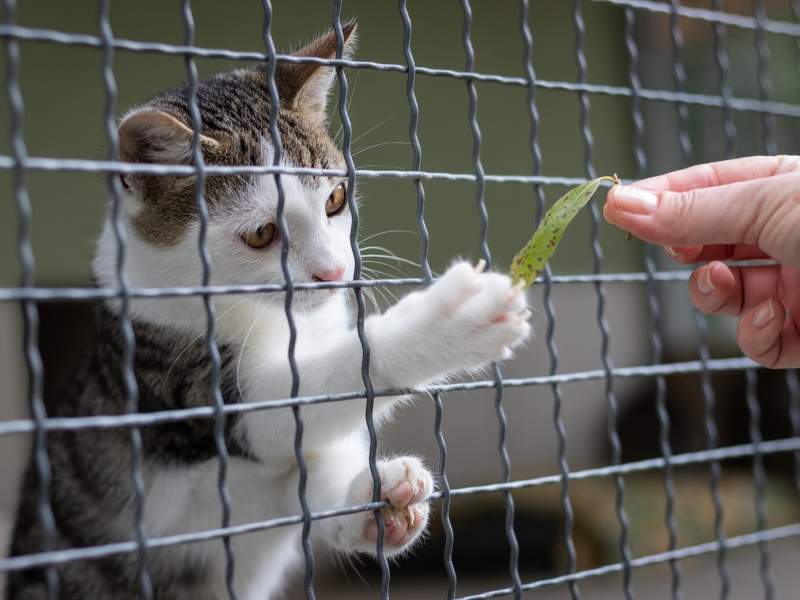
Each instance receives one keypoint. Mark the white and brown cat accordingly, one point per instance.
(465, 320)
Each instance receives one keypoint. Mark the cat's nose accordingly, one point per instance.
(334, 274)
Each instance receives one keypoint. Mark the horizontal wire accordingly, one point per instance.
(745, 104)
(85, 165)
(19, 426)
(59, 557)
(712, 16)
(83, 294)
(739, 541)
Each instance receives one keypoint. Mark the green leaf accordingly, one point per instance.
(531, 260)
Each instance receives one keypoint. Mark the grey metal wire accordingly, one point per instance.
(18, 162)
(602, 325)
(480, 201)
(655, 309)
(126, 328)
(15, 427)
(280, 220)
(30, 313)
(77, 294)
(701, 324)
(205, 259)
(760, 479)
(347, 138)
(764, 78)
(778, 533)
(745, 104)
(558, 422)
(60, 557)
(413, 105)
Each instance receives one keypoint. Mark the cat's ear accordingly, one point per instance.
(153, 136)
(305, 86)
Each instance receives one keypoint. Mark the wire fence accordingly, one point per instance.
(28, 295)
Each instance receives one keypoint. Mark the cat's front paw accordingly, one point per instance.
(467, 319)
(405, 485)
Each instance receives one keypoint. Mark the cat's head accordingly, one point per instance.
(243, 238)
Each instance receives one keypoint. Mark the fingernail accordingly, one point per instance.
(704, 285)
(634, 200)
(671, 251)
(763, 315)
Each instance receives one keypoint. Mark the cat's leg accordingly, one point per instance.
(464, 321)
(343, 479)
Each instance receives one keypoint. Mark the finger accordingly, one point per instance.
(721, 173)
(760, 330)
(716, 289)
(698, 253)
(763, 212)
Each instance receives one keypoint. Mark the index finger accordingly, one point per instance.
(721, 173)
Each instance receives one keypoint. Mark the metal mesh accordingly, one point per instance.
(28, 295)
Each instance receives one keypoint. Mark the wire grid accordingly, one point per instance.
(27, 295)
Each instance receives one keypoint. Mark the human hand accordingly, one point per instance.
(747, 208)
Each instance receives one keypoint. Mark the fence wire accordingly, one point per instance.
(28, 295)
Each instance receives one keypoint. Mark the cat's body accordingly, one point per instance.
(464, 321)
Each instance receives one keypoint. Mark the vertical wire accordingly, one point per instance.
(277, 144)
(480, 199)
(205, 258)
(724, 68)
(760, 478)
(558, 422)
(126, 328)
(347, 139)
(759, 473)
(707, 388)
(602, 324)
(655, 308)
(427, 275)
(729, 135)
(764, 79)
(30, 313)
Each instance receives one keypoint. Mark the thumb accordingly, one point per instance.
(760, 212)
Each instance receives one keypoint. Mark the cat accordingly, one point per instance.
(464, 321)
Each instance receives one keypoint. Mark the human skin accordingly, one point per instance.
(741, 209)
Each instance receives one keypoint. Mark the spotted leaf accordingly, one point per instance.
(531, 260)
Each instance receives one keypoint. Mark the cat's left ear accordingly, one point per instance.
(305, 86)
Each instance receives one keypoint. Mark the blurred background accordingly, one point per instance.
(64, 108)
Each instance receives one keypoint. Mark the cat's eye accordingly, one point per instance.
(336, 201)
(261, 236)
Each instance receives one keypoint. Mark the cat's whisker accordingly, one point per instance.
(370, 130)
(398, 259)
(384, 288)
(379, 166)
(398, 270)
(370, 292)
(386, 232)
(378, 145)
